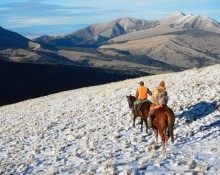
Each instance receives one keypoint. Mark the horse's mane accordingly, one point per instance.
(133, 97)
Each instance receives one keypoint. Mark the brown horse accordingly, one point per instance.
(142, 112)
(164, 119)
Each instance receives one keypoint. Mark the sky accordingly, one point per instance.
(22, 13)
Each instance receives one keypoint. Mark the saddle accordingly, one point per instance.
(140, 102)
(153, 109)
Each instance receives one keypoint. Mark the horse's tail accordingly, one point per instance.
(171, 120)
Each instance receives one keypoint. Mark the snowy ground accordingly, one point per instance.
(89, 130)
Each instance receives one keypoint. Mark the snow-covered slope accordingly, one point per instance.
(89, 130)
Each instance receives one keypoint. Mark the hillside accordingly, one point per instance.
(185, 49)
(22, 81)
(89, 130)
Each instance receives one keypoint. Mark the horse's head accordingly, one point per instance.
(130, 100)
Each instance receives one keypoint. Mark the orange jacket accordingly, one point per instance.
(162, 88)
(142, 92)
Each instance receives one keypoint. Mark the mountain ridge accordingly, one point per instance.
(176, 20)
(127, 24)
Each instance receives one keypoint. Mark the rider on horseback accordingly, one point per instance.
(141, 95)
(159, 99)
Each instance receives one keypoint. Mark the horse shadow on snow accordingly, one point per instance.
(200, 110)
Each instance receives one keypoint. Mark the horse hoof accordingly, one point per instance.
(156, 147)
(148, 134)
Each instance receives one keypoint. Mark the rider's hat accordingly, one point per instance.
(141, 83)
(162, 84)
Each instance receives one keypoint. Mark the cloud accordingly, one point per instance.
(29, 13)
(96, 11)
(36, 21)
(36, 8)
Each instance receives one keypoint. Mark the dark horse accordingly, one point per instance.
(142, 112)
(164, 119)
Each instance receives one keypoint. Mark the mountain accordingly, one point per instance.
(186, 41)
(40, 30)
(13, 40)
(9, 39)
(16, 48)
(179, 40)
(89, 130)
(98, 33)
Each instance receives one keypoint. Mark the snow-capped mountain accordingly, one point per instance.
(180, 20)
(89, 130)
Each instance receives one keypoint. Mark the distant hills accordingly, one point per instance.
(173, 43)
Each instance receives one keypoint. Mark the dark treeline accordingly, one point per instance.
(21, 81)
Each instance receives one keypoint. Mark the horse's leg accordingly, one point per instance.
(145, 121)
(163, 138)
(167, 136)
(142, 124)
(171, 120)
(156, 135)
(134, 120)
